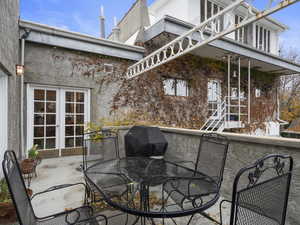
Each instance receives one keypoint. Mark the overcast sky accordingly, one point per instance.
(83, 16)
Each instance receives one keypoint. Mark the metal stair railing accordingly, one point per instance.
(196, 37)
(213, 122)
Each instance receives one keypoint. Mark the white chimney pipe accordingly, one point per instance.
(102, 23)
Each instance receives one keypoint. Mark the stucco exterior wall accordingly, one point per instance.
(243, 151)
(53, 66)
(9, 53)
(9, 15)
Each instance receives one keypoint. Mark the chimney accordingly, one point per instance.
(102, 23)
(116, 31)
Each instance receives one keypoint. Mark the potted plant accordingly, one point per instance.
(7, 210)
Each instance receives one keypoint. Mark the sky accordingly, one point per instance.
(83, 16)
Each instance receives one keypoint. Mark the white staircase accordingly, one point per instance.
(220, 119)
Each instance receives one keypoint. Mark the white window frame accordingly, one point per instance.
(60, 112)
(174, 91)
(265, 45)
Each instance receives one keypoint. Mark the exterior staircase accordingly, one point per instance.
(220, 119)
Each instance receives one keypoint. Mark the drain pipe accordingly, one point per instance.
(23, 38)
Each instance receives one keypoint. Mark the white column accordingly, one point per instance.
(228, 86)
(239, 89)
(249, 90)
(3, 116)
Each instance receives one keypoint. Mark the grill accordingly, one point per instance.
(145, 141)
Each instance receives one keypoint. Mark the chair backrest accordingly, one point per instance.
(17, 189)
(260, 192)
(212, 155)
(100, 145)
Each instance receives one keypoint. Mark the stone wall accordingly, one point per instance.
(243, 151)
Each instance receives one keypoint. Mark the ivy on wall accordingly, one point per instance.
(144, 95)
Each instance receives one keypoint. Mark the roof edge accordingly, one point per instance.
(75, 35)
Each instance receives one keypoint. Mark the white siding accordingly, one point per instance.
(174, 8)
(3, 116)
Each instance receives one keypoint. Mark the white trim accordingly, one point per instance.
(60, 112)
(3, 116)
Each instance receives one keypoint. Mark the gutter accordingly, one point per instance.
(23, 38)
(77, 36)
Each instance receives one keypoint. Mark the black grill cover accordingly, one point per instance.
(145, 141)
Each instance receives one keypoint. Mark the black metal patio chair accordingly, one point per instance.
(99, 145)
(260, 192)
(80, 216)
(206, 174)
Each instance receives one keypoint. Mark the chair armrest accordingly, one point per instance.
(220, 208)
(93, 219)
(57, 187)
(88, 209)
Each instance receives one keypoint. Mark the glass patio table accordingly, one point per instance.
(152, 188)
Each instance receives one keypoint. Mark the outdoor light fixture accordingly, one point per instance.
(20, 70)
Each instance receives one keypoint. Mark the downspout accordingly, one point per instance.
(23, 37)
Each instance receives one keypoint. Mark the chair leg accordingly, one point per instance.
(207, 216)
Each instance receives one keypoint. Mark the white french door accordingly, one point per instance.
(56, 117)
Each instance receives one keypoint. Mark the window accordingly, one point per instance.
(263, 38)
(257, 92)
(241, 34)
(209, 9)
(176, 87)
(214, 90)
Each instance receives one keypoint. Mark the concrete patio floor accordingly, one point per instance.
(64, 170)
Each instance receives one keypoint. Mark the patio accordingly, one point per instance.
(65, 171)
(183, 143)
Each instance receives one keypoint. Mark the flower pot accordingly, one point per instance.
(27, 166)
(7, 213)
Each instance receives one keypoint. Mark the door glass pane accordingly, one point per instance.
(39, 142)
(51, 131)
(79, 141)
(79, 108)
(79, 130)
(70, 119)
(39, 119)
(69, 108)
(69, 142)
(51, 107)
(51, 119)
(70, 97)
(69, 131)
(38, 131)
(79, 97)
(79, 119)
(44, 118)
(39, 94)
(51, 95)
(50, 143)
(39, 107)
